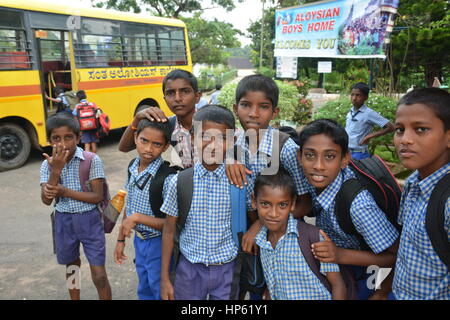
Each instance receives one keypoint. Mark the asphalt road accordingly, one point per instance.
(28, 267)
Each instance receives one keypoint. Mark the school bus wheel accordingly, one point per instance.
(14, 146)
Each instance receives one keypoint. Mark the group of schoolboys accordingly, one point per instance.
(304, 178)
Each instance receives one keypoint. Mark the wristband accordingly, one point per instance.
(123, 241)
(133, 128)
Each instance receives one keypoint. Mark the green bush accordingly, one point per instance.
(338, 109)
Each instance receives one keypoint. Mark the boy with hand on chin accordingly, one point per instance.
(77, 219)
(324, 156)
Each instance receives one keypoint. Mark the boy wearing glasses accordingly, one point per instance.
(360, 122)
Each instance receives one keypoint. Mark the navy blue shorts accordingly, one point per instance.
(86, 228)
(89, 136)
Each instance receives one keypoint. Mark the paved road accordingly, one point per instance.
(28, 267)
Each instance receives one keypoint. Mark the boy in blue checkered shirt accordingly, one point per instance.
(324, 156)
(286, 270)
(257, 105)
(152, 139)
(422, 140)
(208, 252)
(77, 219)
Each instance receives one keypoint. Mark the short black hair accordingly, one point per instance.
(217, 114)
(281, 180)
(363, 87)
(328, 127)
(258, 82)
(165, 127)
(81, 94)
(62, 119)
(181, 74)
(58, 90)
(434, 98)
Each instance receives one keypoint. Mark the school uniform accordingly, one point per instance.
(77, 221)
(369, 220)
(287, 273)
(206, 244)
(359, 124)
(147, 241)
(419, 273)
(265, 156)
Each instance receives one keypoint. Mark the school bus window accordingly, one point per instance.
(10, 19)
(140, 45)
(14, 53)
(54, 46)
(40, 20)
(100, 27)
(172, 46)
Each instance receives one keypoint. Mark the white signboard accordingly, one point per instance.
(324, 67)
(287, 67)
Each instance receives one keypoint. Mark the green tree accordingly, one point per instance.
(423, 45)
(163, 8)
(209, 39)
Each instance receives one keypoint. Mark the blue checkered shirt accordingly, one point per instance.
(259, 161)
(288, 275)
(360, 123)
(206, 237)
(369, 220)
(138, 201)
(70, 178)
(419, 273)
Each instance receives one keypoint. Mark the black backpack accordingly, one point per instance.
(435, 218)
(156, 186)
(373, 175)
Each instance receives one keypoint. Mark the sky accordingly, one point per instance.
(240, 17)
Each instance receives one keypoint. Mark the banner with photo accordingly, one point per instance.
(335, 29)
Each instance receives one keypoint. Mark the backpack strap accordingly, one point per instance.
(157, 185)
(238, 212)
(435, 218)
(185, 191)
(307, 235)
(84, 169)
(343, 202)
(172, 121)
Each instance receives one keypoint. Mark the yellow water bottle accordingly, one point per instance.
(118, 200)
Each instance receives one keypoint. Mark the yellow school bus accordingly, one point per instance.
(118, 58)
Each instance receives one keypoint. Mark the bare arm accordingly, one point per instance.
(126, 142)
(303, 206)
(167, 292)
(388, 128)
(338, 289)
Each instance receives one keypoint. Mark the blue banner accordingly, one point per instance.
(335, 29)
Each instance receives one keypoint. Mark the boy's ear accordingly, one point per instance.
(198, 95)
(275, 113)
(135, 137)
(294, 201)
(235, 108)
(299, 156)
(166, 146)
(345, 160)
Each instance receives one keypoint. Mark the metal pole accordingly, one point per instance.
(262, 32)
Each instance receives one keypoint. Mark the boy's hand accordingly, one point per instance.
(325, 251)
(365, 140)
(167, 292)
(152, 114)
(248, 240)
(127, 225)
(52, 192)
(59, 157)
(237, 173)
(119, 256)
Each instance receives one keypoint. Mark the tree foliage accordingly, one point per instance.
(163, 8)
(209, 39)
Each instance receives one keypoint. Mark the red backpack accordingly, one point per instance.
(86, 114)
(104, 124)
